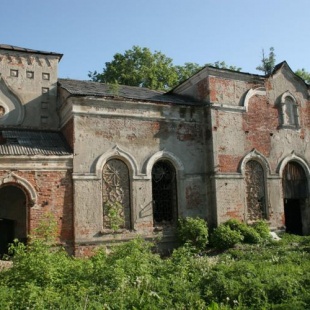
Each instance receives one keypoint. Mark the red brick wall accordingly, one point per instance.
(229, 163)
(259, 123)
(54, 192)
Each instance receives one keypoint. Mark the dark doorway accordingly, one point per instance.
(164, 193)
(6, 235)
(13, 216)
(295, 192)
(292, 210)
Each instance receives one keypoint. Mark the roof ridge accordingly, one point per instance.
(28, 50)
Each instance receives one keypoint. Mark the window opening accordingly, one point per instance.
(164, 192)
(255, 191)
(289, 113)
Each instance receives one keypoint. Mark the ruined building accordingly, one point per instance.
(111, 162)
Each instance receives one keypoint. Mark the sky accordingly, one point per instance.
(89, 33)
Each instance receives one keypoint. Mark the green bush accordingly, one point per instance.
(193, 231)
(131, 276)
(262, 228)
(250, 235)
(223, 237)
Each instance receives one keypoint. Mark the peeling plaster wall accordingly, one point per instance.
(134, 132)
(257, 126)
(245, 115)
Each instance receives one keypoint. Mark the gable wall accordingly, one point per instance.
(237, 132)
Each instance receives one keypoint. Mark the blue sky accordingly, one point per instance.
(89, 33)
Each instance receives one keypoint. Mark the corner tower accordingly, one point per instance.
(28, 88)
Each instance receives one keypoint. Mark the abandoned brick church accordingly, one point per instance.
(110, 163)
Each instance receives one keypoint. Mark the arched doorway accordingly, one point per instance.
(295, 194)
(164, 193)
(13, 216)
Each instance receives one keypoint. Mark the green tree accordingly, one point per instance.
(268, 63)
(223, 65)
(187, 70)
(139, 67)
(305, 75)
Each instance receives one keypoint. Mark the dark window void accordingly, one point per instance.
(13, 216)
(164, 193)
(295, 194)
(255, 191)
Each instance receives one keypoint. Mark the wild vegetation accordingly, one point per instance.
(139, 66)
(259, 274)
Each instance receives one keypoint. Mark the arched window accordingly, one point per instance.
(164, 193)
(289, 112)
(255, 191)
(116, 195)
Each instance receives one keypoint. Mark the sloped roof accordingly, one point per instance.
(88, 88)
(27, 50)
(26, 142)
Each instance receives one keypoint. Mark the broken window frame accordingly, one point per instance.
(262, 199)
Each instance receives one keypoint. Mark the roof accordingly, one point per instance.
(26, 142)
(89, 88)
(27, 50)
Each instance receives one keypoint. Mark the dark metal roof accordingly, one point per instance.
(88, 88)
(24, 142)
(27, 50)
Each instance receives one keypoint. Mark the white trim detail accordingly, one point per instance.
(289, 117)
(255, 155)
(36, 162)
(163, 155)
(11, 102)
(117, 153)
(295, 158)
(260, 91)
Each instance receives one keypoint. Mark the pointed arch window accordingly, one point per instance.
(255, 191)
(164, 193)
(116, 195)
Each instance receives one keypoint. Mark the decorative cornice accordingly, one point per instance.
(36, 163)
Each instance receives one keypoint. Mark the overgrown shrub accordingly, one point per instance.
(250, 235)
(223, 237)
(262, 228)
(131, 276)
(193, 231)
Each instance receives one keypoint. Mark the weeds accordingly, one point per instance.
(131, 276)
